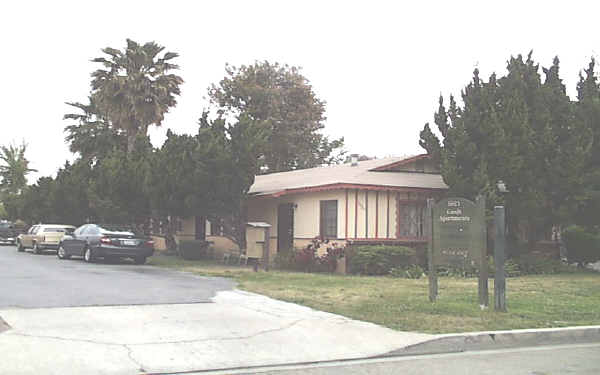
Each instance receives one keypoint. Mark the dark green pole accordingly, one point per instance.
(484, 299)
(499, 249)
(266, 249)
(433, 287)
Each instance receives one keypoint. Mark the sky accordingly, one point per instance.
(380, 66)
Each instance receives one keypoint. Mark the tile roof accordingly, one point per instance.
(361, 174)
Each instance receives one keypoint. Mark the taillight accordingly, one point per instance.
(150, 243)
(106, 240)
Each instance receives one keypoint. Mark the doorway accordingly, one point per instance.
(200, 232)
(285, 227)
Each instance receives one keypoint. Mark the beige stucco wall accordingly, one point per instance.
(307, 217)
(159, 243)
(188, 229)
(307, 214)
(219, 243)
(378, 218)
(223, 244)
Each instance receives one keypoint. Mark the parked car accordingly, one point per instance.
(42, 237)
(8, 233)
(92, 241)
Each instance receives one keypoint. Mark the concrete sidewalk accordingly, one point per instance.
(237, 329)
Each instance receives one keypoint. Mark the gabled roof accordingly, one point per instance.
(368, 174)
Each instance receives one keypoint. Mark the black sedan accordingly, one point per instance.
(92, 241)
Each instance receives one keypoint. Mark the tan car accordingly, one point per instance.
(43, 236)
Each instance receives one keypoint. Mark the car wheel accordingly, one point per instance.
(61, 253)
(20, 247)
(139, 260)
(88, 255)
(36, 248)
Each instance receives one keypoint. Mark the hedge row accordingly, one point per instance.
(583, 246)
(380, 259)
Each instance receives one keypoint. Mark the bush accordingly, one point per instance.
(583, 247)
(380, 259)
(450, 271)
(193, 249)
(532, 264)
(284, 260)
(307, 260)
(511, 267)
(413, 271)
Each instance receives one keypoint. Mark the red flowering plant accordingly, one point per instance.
(328, 261)
(307, 259)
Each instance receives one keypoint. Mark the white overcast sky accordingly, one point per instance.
(379, 65)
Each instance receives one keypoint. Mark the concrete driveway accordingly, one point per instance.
(69, 317)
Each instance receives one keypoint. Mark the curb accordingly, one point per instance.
(489, 340)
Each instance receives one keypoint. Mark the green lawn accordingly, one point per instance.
(402, 304)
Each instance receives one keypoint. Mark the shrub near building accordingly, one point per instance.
(380, 259)
(583, 246)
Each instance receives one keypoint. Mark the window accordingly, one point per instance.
(80, 230)
(91, 230)
(328, 224)
(411, 219)
(57, 230)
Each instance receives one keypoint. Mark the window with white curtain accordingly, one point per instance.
(411, 219)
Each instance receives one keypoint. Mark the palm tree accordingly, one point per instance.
(15, 169)
(134, 90)
(92, 136)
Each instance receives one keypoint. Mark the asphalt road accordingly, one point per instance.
(34, 281)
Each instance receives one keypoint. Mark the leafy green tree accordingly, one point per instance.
(92, 136)
(70, 198)
(280, 100)
(134, 89)
(37, 206)
(207, 174)
(3, 213)
(15, 168)
(521, 130)
(588, 117)
(231, 155)
(117, 191)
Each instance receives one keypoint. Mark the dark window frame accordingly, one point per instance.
(416, 230)
(328, 225)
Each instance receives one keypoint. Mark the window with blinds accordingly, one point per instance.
(328, 219)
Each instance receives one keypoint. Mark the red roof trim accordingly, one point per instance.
(311, 189)
(399, 163)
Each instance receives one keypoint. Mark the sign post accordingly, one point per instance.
(499, 258)
(457, 239)
(484, 299)
(432, 274)
(266, 250)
